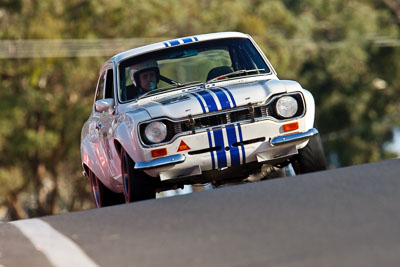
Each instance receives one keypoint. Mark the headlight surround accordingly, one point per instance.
(155, 132)
(286, 106)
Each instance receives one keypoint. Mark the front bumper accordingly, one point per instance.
(160, 162)
(290, 138)
(179, 158)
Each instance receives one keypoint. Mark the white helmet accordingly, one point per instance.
(135, 70)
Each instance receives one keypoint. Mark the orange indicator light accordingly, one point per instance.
(159, 152)
(290, 126)
(183, 146)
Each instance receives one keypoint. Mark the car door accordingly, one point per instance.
(107, 120)
(98, 132)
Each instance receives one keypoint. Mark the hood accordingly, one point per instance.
(197, 101)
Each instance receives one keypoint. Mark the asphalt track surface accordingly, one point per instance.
(342, 217)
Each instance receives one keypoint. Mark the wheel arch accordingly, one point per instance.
(310, 108)
(89, 160)
(118, 147)
(125, 137)
(90, 163)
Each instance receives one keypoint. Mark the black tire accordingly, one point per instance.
(137, 185)
(103, 196)
(311, 158)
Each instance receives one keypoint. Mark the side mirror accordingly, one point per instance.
(106, 104)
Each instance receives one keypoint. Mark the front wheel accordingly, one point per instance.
(311, 158)
(137, 185)
(103, 196)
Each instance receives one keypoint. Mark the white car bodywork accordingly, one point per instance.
(199, 154)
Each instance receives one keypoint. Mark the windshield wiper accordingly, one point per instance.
(154, 91)
(176, 85)
(236, 74)
(179, 85)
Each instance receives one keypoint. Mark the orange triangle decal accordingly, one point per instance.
(183, 146)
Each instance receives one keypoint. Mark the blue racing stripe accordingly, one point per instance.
(219, 141)
(234, 150)
(166, 44)
(187, 40)
(230, 94)
(201, 102)
(223, 99)
(212, 153)
(208, 133)
(174, 42)
(195, 38)
(242, 147)
(212, 106)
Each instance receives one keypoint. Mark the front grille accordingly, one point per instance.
(213, 120)
(228, 117)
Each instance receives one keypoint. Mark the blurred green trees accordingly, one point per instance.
(347, 53)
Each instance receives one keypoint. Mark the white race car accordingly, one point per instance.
(199, 109)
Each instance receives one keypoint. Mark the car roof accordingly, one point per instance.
(176, 42)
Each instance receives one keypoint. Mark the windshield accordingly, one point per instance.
(191, 64)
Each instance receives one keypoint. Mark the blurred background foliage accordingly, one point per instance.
(347, 53)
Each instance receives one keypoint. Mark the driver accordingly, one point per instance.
(145, 76)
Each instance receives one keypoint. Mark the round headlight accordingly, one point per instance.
(156, 132)
(286, 106)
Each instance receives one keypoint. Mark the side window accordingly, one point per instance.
(109, 92)
(100, 88)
